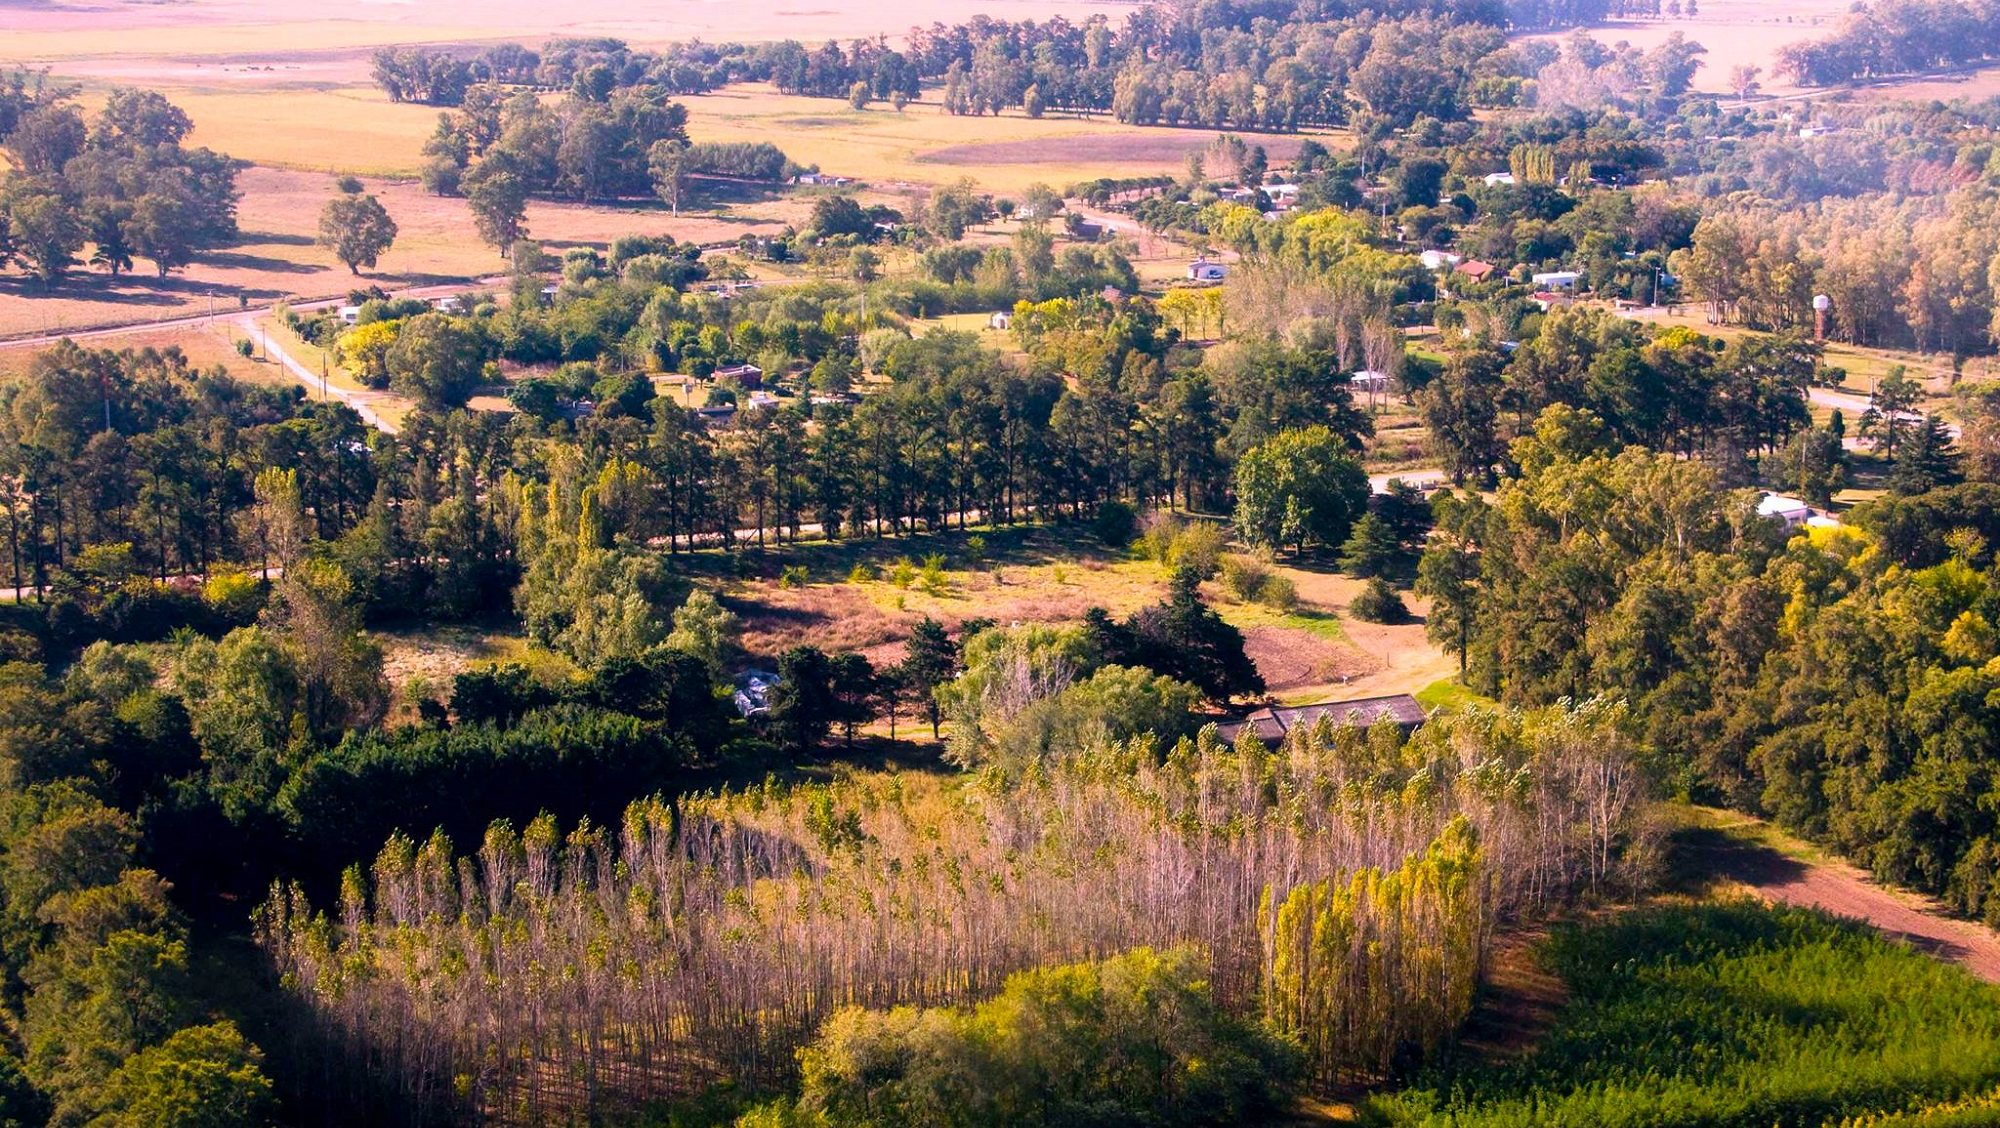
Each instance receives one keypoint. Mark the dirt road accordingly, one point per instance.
(1755, 855)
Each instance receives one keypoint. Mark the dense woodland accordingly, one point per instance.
(553, 890)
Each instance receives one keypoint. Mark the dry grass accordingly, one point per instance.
(279, 218)
(924, 146)
(248, 33)
(204, 346)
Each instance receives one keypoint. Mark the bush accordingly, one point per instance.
(1278, 592)
(1379, 603)
(1136, 1039)
(1244, 576)
(794, 576)
(1198, 548)
(903, 573)
(1115, 524)
(861, 573)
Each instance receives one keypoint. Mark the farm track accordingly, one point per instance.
(1789, 877)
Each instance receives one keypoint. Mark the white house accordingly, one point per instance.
(1555, 279)
(1370, 381)
(1202, 270)
(1493, 178)
(1438, 260)
(1790, 510)
(449, 305)
(1001, 320)
(349, 314)
(1282, 196)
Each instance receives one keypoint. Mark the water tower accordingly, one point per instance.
(1821, 303)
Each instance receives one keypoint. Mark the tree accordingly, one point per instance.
(200, 1077)
(437, 360)
(803, 703)
(1743, 81)
(667, 163)
(357, 229)
(1461, 407)
(1372, 550)
(1449, 574)
(1301, 488)
(1929, 460)
(854, 691)
(1185, 639)
(498, 198)
(46, 233)
(105, 221)
(858, 96)
(1814, 465)
(1889, 409)
(930, 661)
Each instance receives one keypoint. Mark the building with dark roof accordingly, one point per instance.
(1272, 722)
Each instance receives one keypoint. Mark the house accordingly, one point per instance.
(449, 305)
(1240, 195)
(1494, 179)
(763, 399)
(1272, 722)
(549, 293)
(1282, 196)
(1087, 229)
(747, 375)
(1438, 260)
(1475, 270)
(823, 180)
(1370, 381)
(350, 314)
(1001, 320)
(1202, 270)
(716, 413)
(1555, 279)
(1552, 299)
(1112, 295)
(753, 692)
(1790, 510)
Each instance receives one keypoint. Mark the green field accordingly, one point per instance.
(1728, 1015)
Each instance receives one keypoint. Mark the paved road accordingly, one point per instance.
(312, 381)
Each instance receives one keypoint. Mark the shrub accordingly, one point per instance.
(933, 579)
(861, 573)
(1244, 577)
(975, 549)
(1278, 592)
(1115, 524)
(794, 576)
(1379, 603)
(1198, 547)
(903, 573)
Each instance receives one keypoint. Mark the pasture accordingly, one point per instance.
(922, 145)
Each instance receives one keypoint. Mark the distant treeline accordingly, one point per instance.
(1272, 64)
(1898, 37)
